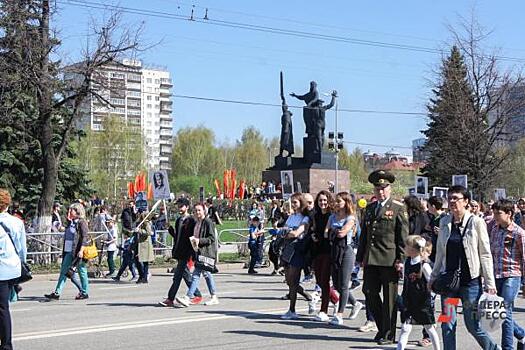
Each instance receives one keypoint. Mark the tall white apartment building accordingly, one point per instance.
(142, 97)
(157, 122)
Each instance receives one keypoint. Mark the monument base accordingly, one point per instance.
(311, 180)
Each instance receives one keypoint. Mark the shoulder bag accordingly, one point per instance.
(448, 282)
(25, 273)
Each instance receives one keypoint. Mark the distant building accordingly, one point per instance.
(515, 128)
(391, 160)
(142, 97)
(418, 155)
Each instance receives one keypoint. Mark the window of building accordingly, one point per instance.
(148, 97)
(148, 105)
(148, 80)
(157, 81)
(157, 98)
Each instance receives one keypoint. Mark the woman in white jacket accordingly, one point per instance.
(463, 243)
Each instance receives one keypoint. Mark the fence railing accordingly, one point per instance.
(46, 247)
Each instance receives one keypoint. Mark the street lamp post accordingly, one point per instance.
(335, 143)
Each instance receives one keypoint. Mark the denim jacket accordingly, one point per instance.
(9, 261)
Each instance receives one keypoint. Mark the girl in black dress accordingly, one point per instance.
(417, 299)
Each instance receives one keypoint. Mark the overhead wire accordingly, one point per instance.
(265, 29)
(254, 103)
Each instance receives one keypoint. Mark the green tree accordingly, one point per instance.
(513, 177)
(113, 156)
(251, 156)
(29, 69)
(21, 149)
(194, 152)
(470, 114)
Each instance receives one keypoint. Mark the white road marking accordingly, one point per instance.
(133, 325)
(120, 287)
(19, 310)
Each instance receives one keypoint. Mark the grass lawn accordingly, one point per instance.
(230, 236)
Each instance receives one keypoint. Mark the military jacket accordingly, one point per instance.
(383, 234)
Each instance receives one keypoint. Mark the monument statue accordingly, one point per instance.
(286, 141)
(310, 98)
(319, 122)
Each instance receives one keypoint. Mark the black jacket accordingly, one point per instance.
(207, 239)
(418, 224)
(128, 218)
(182, 249)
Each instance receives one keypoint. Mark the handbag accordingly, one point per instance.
(288, 251)
(25, 270)
(205, 263)
(448, 282)
(90, 252)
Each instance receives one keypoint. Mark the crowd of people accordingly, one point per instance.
(455, 248)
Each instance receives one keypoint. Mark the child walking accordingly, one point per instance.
(127, 257)
(417, 299)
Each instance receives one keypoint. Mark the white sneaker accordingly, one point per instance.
(184, 300)
(213, 301)
(369, 326)
(336, 321)
(322, 317)
(311, 307)
(289, 316)
(355, 310)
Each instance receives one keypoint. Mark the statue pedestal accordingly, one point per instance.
(313, 177)
(310, 155)
(282, 162)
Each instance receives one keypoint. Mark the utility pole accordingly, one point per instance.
(335, 143)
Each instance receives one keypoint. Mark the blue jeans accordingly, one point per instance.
(82, 284)
(254, 255)
(181, 272)
(508, 289)
(195, 281)
(469, 296)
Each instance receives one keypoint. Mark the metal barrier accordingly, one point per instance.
(46, 247)
(235, 232)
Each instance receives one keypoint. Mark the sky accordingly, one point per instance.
(231, 63)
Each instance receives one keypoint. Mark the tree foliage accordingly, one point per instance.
(470, 114)
(32, 89)
(112, 157)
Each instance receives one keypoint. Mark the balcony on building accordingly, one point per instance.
(165, 107)
(164, 93)
(165, 83)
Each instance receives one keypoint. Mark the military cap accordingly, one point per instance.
(381, 178)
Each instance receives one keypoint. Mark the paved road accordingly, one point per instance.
(125, 316)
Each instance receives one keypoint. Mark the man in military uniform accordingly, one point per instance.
(381, 252)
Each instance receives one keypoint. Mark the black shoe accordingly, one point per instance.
(53, 296)
(355, 284)
(378, 336)
(116, 279)
(285, 297)
(81, 296)
(385, 341)
(273, 273)
(252, 272)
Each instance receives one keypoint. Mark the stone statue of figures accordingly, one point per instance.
(319, 122)
(310, 98)
(286, 143)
